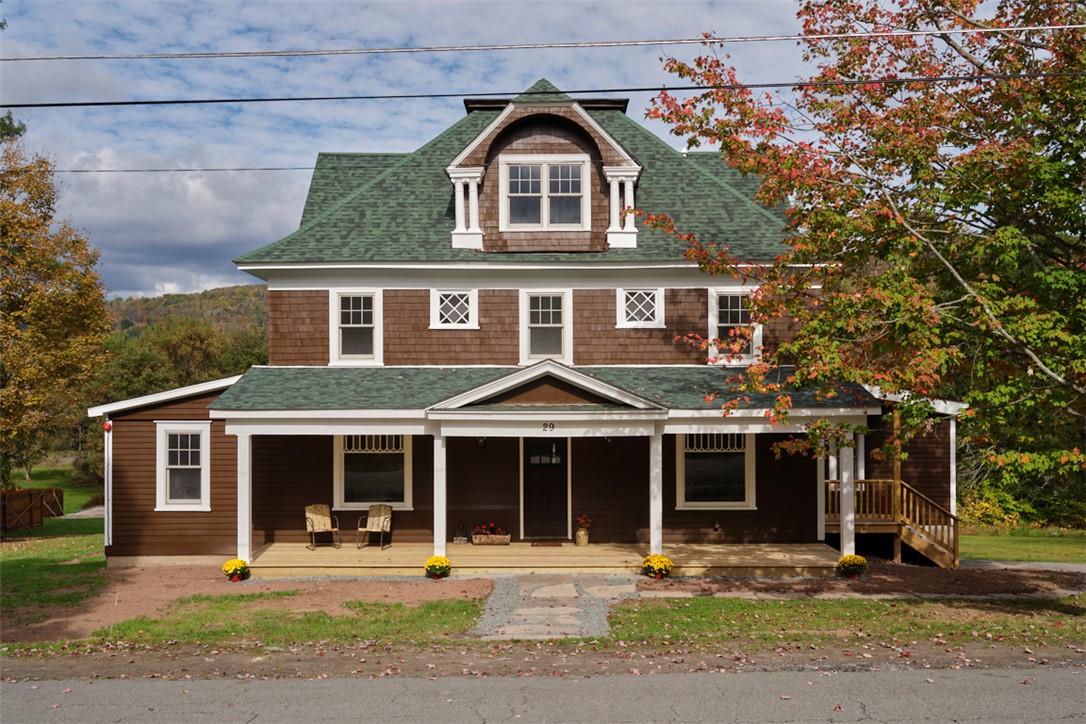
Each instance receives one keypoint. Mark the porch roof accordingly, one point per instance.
(673, 387)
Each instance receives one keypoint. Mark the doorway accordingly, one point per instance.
(545, 493)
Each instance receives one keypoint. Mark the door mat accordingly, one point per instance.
(546, 544)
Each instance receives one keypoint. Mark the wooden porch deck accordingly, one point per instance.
(279, 560)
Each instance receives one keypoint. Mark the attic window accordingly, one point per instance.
(544, 193)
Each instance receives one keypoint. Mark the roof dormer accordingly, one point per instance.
(543, 176)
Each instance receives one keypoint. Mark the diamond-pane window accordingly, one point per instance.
(454, 308)
(641, 306)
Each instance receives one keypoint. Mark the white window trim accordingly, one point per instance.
(621, 322)
(334, 357)
(473, 309)
(714, 322)
(567, 325)
(750, 503)
(337, 479)
(164, 428)
(507, 160)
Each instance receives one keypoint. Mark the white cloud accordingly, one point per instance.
(179, 231)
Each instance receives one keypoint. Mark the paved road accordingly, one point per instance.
(1025, 565)
(991, 695)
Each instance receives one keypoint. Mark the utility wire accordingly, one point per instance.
(182, 170)
(711, 40)
(583, 91)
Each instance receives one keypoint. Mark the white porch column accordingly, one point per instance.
(821, 464)
(833, 462)
(245, 498)
(440, 498)
(458, 204)
(473, 205)
(953, 466)
(628, 218)
(861, 456)
(656, 492)
(848, 508)
(615, 224)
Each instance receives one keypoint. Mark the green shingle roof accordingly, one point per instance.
(399, 208)
(414, 388)
(542, 91)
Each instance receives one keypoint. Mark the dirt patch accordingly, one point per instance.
(132, 592)
(549, 659)
(888, 578)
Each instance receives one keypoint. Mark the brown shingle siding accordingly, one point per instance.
(298, 327)
(410, 341)
(596, 340)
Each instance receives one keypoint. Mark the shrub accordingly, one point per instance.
(235, 569)
(657, 566)
(437, 567)
(490, 528)
(851, 566)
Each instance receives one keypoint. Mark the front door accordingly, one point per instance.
(546, 486)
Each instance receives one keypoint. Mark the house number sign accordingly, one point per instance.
(548, 427)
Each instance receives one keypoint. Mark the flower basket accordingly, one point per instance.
(235, 570)
(437, 567)
(851, 566)
(490, 534)
(491, 539)
(657, 566)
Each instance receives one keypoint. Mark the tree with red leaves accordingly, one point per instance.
(936, 235)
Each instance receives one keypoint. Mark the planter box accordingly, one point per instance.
(491, 540)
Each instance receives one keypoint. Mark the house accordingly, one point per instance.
(478, 331)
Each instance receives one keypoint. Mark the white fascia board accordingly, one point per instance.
(482, 136)
(942, 407)
(317, 414)
(557, 429)
(523, 415)
(473, 265)
(158, 397)
(542, 369)
(604, 134)
(765, 412)
(327, 426)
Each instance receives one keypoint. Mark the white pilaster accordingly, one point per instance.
(628, 218)
(473, 206)
(656, 492)
(458, 204)
(833, 462)
(861, 456)
(440, 496)
(245, 498)
(820, 463)
(107, 471)
(615, 224)
(953, 466)
(848, 508)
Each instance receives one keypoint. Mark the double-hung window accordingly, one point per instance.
(715, 471)
(730, 322)
(355, 327)
(183, 466)
(454, 309)
(546, 326)
(544, 193)
(639, 308)
(370, 469)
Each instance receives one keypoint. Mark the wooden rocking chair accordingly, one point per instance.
(319, 519)
(377, 520)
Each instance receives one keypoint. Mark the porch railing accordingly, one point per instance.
(924, 521)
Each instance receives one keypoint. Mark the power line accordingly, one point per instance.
(712, 40)
(582, 91)
(176, 170)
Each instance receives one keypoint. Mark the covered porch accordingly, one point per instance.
(691, 559)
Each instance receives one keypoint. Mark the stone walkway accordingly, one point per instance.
(552, 606)
(98, 511)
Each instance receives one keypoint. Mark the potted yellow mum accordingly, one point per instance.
(236, 570)
(437, 567)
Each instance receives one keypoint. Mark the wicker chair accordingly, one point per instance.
(319, 519)
(377, 520)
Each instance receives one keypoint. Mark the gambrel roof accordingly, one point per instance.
(365, 208)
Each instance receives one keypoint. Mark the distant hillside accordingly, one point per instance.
(228, 308)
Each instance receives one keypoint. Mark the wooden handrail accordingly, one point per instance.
(916, 492)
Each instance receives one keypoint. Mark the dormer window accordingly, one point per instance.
(544, 193)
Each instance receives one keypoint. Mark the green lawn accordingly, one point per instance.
(1026, 544)
(59, 564)
(727, 621)
(76, 495)
(245, 618)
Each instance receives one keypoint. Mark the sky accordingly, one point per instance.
(177, 232)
